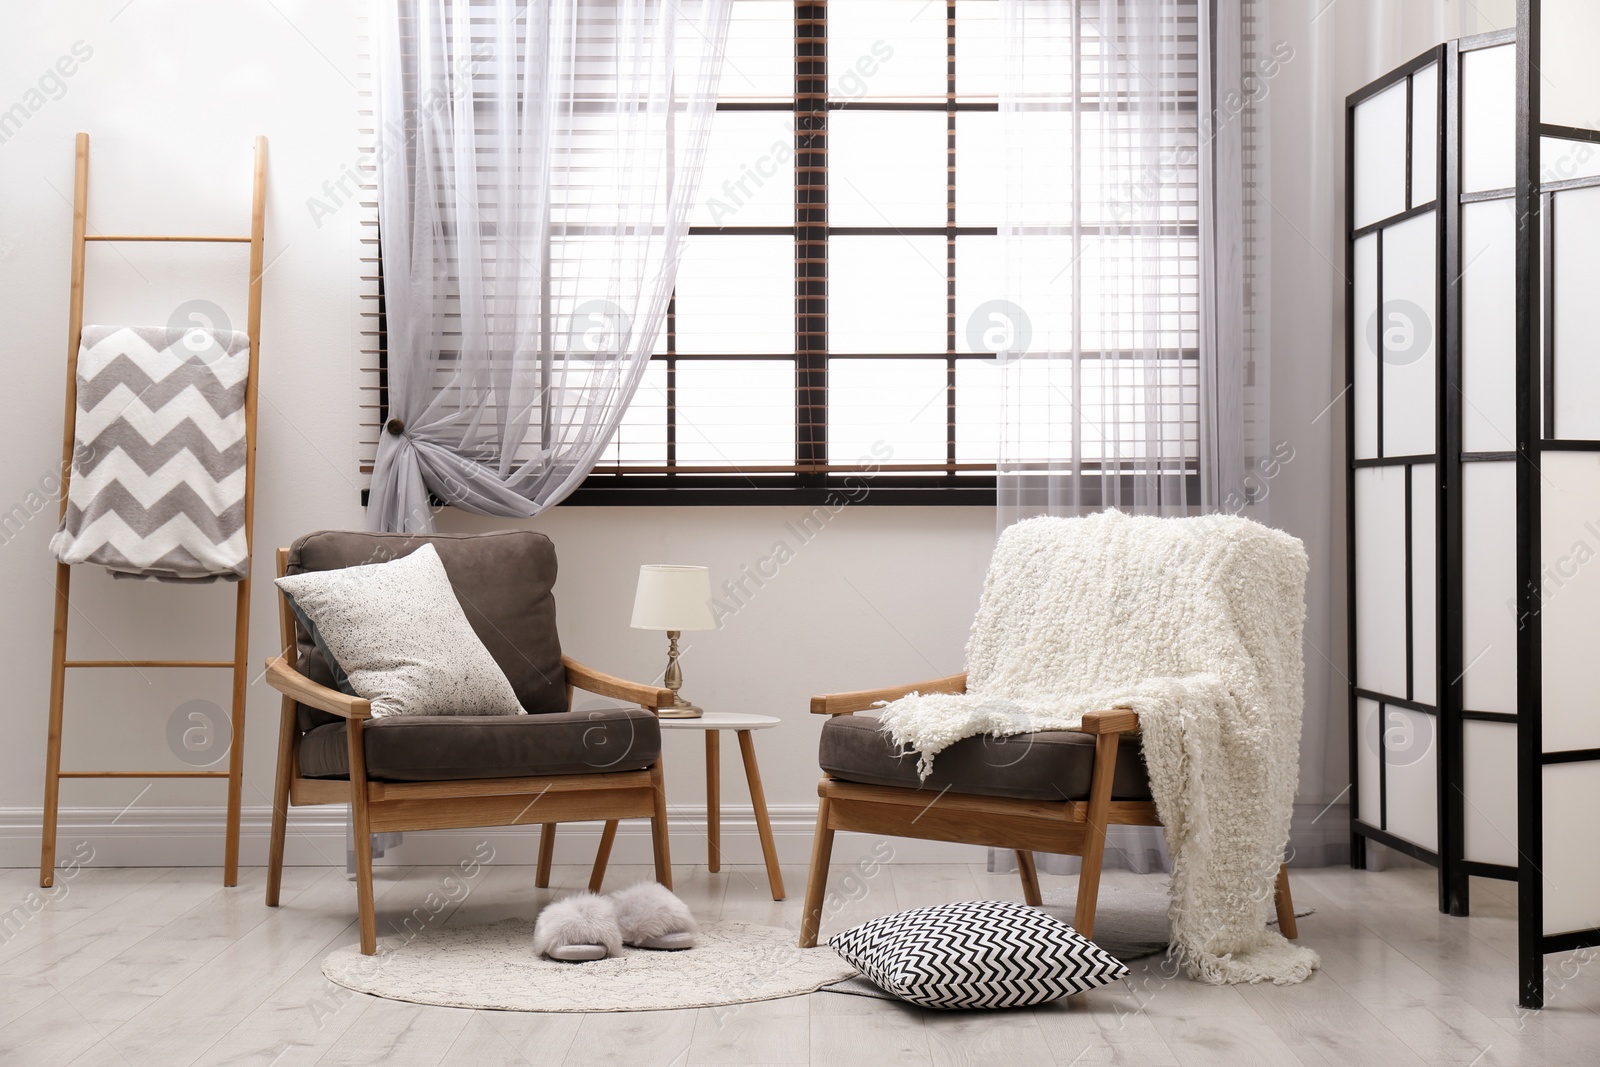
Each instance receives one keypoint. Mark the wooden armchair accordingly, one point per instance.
(405, 772)
(871, 789)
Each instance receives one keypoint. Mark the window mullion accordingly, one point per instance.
(950, 235)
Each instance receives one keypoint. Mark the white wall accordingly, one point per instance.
(173, 93)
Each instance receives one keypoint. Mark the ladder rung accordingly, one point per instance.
(201, 238)
(143, 774)
(150, 663)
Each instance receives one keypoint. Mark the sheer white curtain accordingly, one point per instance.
(536, 164)
(1133, 266)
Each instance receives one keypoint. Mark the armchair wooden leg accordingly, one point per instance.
(361, 831)
(817, 880)
(280, 801)
(547, 851)
(1094, 841)
(658, 828)
(1030, 878)
(602, 855)
(1286, 923)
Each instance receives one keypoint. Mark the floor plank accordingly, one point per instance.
(847, 1030)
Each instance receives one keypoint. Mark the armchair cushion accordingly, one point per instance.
(1048, 765)
(503, 581)
(394, 633)
(429, 748)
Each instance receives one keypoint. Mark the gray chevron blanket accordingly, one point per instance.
(158, 468)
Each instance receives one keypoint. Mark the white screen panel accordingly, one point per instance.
(1569, 77)
(1380, 166)
(1411, 755)
(1381, 580)
(1488, 119)
(1577, 313)
(1424, 586)
(1489, 586)
(1366, 366)
(1561, 159)
(1368, 724)
(1488, 321)
(1489, 773)
(1571, 594)
(1424, 134)
(1407, 332)
(1571, 847)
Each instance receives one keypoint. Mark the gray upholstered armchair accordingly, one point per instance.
(423, 772)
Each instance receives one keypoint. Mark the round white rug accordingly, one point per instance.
(493, 966)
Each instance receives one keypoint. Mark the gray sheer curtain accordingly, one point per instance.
(536, 164)
(1134, 262)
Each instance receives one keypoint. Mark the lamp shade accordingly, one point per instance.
(671, 597)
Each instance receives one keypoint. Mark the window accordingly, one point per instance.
(829, 330)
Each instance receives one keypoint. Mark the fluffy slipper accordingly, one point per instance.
(578, 928)
(651, 916)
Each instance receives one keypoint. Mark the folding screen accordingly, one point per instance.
(1393, 197)
(1475, 731)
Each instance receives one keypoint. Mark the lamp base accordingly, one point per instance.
(681, 710)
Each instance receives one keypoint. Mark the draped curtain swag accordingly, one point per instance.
(535, 168)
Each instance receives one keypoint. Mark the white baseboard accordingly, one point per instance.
(193, 837)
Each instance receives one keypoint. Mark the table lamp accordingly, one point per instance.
(674, 599)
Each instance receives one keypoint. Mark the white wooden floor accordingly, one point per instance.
(163, 966)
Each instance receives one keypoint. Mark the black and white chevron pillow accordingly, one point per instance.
(976, 954)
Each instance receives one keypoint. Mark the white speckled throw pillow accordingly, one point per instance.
(394, 633)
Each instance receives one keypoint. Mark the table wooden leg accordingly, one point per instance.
(713, 801)
(758, 800)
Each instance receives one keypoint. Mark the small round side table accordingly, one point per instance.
(713, 723)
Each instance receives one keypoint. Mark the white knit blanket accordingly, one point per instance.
(1196, 625)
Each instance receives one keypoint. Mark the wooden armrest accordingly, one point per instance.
(291, 683)
(845, 703)
(590, 680)
(1111, 721)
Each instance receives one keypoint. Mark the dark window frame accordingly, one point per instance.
(824, 484)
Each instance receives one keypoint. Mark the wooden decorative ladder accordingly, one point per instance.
(59, 663)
